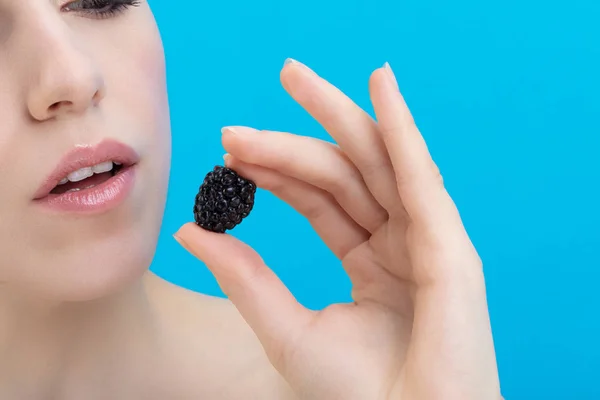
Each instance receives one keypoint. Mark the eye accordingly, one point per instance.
(99, 8)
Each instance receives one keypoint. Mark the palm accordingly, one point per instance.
(359, 343)
(418, 326)
(367, 340)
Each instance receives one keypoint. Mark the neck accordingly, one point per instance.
(62, 347)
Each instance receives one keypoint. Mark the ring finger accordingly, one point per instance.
(350, 126)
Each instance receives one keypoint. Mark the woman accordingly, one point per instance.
(85, 145)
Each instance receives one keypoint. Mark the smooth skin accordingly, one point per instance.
(83, 318)
(419, 326)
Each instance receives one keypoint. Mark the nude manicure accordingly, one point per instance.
(391, 75)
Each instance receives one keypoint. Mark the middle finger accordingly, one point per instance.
(319, 163)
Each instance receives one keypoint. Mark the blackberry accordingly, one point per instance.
(223, 200)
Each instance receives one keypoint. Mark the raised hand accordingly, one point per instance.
(418, 328)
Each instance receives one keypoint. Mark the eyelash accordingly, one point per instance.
(100, 9)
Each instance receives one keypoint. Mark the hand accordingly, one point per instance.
(418, 328)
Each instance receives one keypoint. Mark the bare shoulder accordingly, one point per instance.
(209, 350)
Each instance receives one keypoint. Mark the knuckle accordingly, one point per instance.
(419, 175)
(314, 209)
(274, 184)
(404, 123)
(374, 165)
(436, 174)
(337, 187)
(341, 181)
(249, 272)
(256, 274)
(389, 130)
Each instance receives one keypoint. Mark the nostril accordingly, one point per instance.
(98, 96)
(54, 107)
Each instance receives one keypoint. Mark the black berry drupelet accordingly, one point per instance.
(223, 200)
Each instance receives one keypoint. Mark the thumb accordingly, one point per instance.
(261, 298)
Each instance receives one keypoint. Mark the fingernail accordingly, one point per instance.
(181, 242)
(241, 130)
(298, 63)
(228, 129)
(227, 158)
(391, 76)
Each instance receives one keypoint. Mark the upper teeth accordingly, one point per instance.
(86, 172)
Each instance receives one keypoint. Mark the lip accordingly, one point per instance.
(99, 197)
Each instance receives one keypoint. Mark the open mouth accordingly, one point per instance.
(98, 174)
(89, 177)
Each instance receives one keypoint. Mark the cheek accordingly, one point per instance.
(140, 77)
(136, 88)
(148, 63)
(133, 64)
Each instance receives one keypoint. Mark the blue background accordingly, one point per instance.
(506, 94)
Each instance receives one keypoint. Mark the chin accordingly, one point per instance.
(112, 261)
(93, 269)
(89, 258)
(112, 266)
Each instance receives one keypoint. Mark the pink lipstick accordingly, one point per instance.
(90, 179)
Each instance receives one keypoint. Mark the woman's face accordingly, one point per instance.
(82, 90)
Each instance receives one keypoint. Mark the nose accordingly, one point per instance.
(65, 81)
